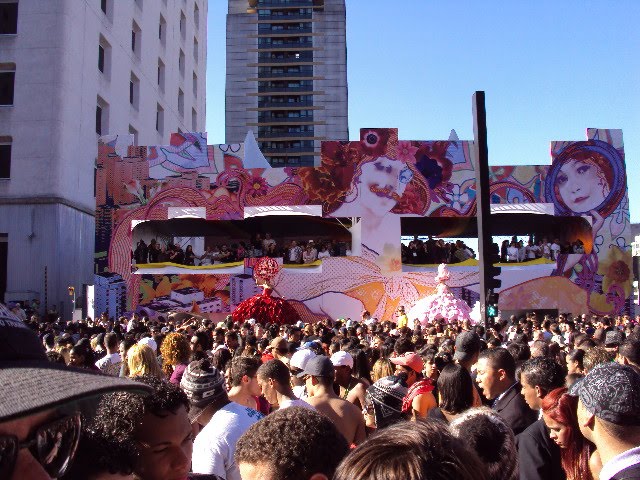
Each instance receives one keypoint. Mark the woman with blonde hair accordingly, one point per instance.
(141, 360)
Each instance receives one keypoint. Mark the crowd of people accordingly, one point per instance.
(299, 251)
(515, 250)
(364, 399)
(437, 251)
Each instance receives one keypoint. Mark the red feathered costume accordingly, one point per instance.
(263, 307)
(266, 309)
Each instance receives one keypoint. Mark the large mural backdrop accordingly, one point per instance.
(376, 181)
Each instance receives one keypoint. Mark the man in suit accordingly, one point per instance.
(538, 455)
(609, 417)
(496, 377)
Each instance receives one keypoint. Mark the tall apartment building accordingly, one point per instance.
(71, 71)
(287, 76)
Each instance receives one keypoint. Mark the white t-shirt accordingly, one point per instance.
(512, 254)
(300, 391)
(295, 403)
(110, 364)
(215, 445)
(555, 250)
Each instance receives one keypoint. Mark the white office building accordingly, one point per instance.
(71, 71)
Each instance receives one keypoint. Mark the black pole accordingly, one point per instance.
(481, 165)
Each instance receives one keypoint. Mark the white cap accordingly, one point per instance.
(251, 321)
(342, 358)
(149, 342)
(300, 358)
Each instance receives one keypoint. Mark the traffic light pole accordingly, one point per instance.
(481, 166)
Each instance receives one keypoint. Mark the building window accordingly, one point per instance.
(8, 18)
(181, 62)
(101, 58)
(7, 83)
(5, 157)
(183, 25)
(181, 102)
(195, 85)
(162, 30)
(194, 120)
(134, 132)
(104, 57)
(102, 117)
(161, 74)
(136, 39)
(196, 49)
(134, 91)
(159, 119)
(196, 15)
(107, 8)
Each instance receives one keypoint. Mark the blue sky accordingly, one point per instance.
(550, 70)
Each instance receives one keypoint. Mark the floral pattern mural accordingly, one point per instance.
(377, 179)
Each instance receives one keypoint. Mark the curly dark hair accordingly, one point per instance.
(117, 418)
(295, 442)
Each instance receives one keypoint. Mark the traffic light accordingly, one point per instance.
(72, 291)
(493, 273)
(492, 304)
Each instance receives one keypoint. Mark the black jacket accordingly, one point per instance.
(538, 455)
(515, 411)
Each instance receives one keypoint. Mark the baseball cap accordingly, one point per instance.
(150, 342)
(613, 338)
(611, 391)
(467, 345)
(318, 366)
(30, 383)
(410, 359)
(203, 384)
(313, 345)
(342, 359)
(300, 358)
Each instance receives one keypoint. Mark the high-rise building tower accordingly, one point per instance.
(70, 72)
(287, 76)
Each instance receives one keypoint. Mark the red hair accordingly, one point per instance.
(563, 408)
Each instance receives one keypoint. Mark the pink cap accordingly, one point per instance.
(410, 359)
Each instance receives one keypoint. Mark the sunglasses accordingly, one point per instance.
(53, 445)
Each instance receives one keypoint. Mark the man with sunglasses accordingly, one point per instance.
(40, 404)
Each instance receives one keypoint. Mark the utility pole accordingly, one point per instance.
(486, 253)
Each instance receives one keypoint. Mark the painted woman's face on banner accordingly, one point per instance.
(582, 185)
(379, 184)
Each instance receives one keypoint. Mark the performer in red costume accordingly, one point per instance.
(263, 307)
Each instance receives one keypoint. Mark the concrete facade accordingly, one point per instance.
(70, 57)
(287, 76)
